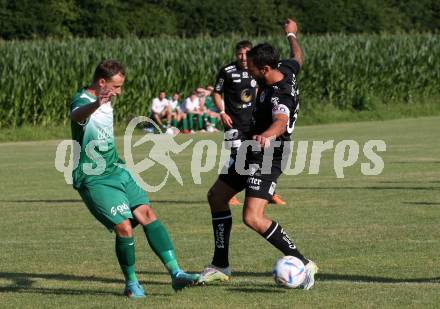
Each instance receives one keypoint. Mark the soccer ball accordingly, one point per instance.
(289, 272)
(172, 131)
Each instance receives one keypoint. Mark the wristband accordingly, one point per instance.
(222, 112)
(291, 34)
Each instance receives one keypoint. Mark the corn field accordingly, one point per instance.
(351, 72)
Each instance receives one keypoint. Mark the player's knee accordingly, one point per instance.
(124, 229)
(215, 197)
(144, 214)
(149, 214)
(210, 196)
(250, 219)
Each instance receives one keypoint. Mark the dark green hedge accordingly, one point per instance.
(26, 19)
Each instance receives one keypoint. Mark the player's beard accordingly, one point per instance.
(260, 81)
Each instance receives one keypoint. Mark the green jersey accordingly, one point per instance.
(209, 103)
(98, 156)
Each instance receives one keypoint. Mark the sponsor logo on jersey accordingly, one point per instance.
(120, 208)
(253, 83)
(104, 133)
(280, 109)
(272, 188)
(254, 183)
(230, 69)
(245, 75)
(275, 100)
(246, 95)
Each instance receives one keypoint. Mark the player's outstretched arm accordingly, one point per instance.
(291, 29)
(82, 113)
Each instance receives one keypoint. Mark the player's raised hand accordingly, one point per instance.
(104, 96)
(227, 121)
(290, 26)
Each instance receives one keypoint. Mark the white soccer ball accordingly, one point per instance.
(172, 131)
(289, 272)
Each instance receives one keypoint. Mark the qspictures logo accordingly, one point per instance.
(208, 155)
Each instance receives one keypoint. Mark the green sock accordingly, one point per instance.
(190, 121)
(185, 124)
(174, 123)
(160, 242)
(200, 121)
(213, 121)
(124, 248)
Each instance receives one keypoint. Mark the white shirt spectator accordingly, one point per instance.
(158, 106)
(174, 105)
(190, 105)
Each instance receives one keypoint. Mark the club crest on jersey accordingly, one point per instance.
(262, 96)
(219, 85)
(253, 83)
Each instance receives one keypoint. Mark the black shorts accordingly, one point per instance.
(257, 182)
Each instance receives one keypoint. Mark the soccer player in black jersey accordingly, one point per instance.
(274, 118)
(239, 92)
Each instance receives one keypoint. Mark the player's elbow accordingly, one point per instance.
(75, 116)
(300, 60)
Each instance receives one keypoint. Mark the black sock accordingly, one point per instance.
(221, 224)
(280, 240)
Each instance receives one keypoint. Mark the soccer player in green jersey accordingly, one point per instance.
(107, 188)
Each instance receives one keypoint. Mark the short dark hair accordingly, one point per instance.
(107, 69)
(243, 44)
(264, 54)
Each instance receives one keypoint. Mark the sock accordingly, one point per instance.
(200, 122)
(174, 123)
(213, 121)
(124, 248)
(280, 240)
(160, 242)
(190, 121)
(221, 224)
(185, 124)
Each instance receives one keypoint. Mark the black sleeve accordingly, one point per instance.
(289, 66)
(283, 103)
(220, 82)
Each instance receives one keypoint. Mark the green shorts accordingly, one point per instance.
(112, 198)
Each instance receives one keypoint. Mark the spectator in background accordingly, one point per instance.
(177, 115)
(210, 109)
(192, 108)
(160, 110)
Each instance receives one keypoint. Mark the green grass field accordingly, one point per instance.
(375, 238)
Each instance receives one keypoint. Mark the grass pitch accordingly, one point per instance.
(376, 239)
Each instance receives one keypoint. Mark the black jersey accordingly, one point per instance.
(239, 92)
(279, 98)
